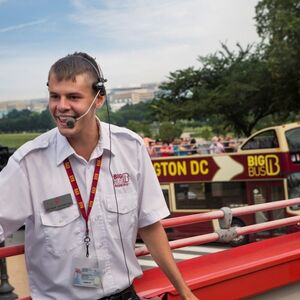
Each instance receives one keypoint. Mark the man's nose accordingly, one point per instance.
(63, 103)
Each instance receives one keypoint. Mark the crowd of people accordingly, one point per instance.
(181, 146)
(189, 146)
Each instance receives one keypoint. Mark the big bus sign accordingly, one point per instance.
(219, 167)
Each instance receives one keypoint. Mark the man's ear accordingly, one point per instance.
(100, 101)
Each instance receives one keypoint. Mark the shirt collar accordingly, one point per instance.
(64, 149)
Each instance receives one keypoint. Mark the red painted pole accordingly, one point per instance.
(11, 251)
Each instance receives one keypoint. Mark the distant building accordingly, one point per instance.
(37, 105)
(118, 97)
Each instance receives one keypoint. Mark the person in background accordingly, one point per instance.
(216, 146)
(193, 147)
(84, 190)
(229, 144)
(152, 149)
(166, 149)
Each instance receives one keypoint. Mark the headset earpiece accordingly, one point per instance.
(99, 86)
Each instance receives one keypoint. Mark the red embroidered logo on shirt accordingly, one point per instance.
(121, 179)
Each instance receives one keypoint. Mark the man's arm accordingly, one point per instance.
(155, 238)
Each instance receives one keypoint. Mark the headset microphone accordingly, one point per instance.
(71, 122)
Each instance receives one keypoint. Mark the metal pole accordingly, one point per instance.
(6, 290)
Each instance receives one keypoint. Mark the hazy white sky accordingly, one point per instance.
(134, 41)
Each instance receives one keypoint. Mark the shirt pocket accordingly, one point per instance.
(122, 215)
(63, 230)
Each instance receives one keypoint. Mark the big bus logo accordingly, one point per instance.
(263, 165)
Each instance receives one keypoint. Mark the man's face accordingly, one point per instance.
(69, 98)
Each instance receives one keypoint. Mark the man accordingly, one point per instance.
(84, 190)
(216, 146)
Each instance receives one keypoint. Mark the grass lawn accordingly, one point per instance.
(15, 140)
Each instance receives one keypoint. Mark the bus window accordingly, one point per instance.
(210, 195)
(294, 188)
(166, 195)
(292, 137)
(230, 194)
(190, 196)
(265, 140)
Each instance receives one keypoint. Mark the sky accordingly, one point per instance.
(134, 41)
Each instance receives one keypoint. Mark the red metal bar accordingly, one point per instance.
(267, 225)
(212, 237)
(11, 251)
(194, 240)
(191, 219)
(238, 211)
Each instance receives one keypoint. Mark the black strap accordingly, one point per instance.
(123, 295)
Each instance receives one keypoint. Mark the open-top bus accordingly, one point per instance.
(265, 168)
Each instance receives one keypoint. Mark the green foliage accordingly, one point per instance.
(142, 129)
(204, 132)
(139, 112)
(243, 97)
(169, 131)
(137, 117)
(26, 120)
(278, 24)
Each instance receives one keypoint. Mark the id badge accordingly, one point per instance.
(86, 273)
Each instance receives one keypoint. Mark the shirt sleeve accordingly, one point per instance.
(15, 200)
(152, 205)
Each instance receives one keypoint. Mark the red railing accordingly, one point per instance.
(203, 217)
(219, 214)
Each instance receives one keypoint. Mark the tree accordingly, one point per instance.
(139, 127)
(278, 24)
(139, 112)
(229, 88)
(174, 98)
(244, 96)
(168, 131)
(26, 120)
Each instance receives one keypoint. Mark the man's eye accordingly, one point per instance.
(54, 97)
(74, 97)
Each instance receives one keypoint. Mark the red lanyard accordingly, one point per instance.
(85, 213)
